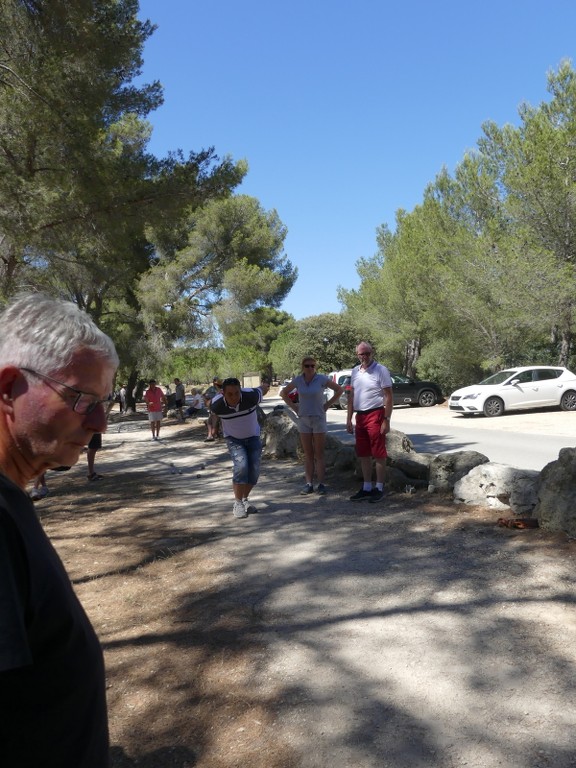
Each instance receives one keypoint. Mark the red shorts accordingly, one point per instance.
(369, 440)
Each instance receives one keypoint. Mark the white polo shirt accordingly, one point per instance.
(368, 384)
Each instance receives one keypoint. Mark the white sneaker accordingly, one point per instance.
(238, 510)
(250, 508)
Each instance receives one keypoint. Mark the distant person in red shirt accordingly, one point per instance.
(155, 402)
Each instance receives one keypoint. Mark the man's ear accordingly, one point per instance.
(9, 375)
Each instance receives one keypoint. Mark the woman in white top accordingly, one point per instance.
(311, 410)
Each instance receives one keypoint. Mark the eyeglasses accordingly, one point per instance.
(84, 403)
(309, 365)
(364, 354)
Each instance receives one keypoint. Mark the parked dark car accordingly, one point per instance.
(409, 391)
(406, 391)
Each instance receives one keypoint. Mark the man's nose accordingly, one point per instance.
(97, 420)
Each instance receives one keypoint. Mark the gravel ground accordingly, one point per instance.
(404, 634)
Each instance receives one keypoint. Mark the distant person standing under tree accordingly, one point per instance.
(94, 445)
(371, 399)
(122, 399)
(155, 401)
(180, 395)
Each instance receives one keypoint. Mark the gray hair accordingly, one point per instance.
(41, 332)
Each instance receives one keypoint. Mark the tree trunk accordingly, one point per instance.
(132, 391)
(411, 356)
(9, 263)
(565, 347)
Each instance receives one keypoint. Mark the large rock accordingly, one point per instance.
(280, 436)
(398, 444)
(556, 506)
(339, 456)
(410, 467)
(500, 487)
(446, 469)
(281, 439)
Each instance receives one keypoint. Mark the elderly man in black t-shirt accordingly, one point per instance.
(56, 377)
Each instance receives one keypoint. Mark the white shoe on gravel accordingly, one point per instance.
(38, 493)
(238, 510)
(250, 508)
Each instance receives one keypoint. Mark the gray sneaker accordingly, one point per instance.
(238, 510)
(307, 489)
(250, 508)
(321, 489)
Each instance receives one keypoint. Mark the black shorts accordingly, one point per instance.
(95, 442)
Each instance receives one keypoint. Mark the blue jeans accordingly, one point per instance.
(246, 453)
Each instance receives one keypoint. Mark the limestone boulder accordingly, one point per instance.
(414, 466)
(556, 505)
(446, 469)
(339, 456)
(398, 444)
(500, 487)
(280, 436)
(410, 467)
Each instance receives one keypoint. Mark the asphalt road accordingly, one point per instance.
(523, 439)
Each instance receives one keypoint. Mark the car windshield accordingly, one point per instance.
(397, 378)
(499, 378)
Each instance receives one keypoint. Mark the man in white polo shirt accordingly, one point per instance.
(237, 409)
(371, 399)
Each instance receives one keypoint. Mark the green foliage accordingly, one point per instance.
(233, 262)
(248, 337)
(195, 366)
(82, 202)
(64, 80)
(330, 338)
(481, 275)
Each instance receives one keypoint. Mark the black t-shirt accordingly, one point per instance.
(52, 685)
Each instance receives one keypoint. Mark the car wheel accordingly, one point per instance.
(426, 398)
(493, 407)
(568, 401)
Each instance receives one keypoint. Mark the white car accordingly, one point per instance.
(338, 377)
(517, 389)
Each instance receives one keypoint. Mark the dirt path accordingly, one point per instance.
(317, 632)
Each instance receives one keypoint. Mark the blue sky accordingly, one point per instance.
(345, 111)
